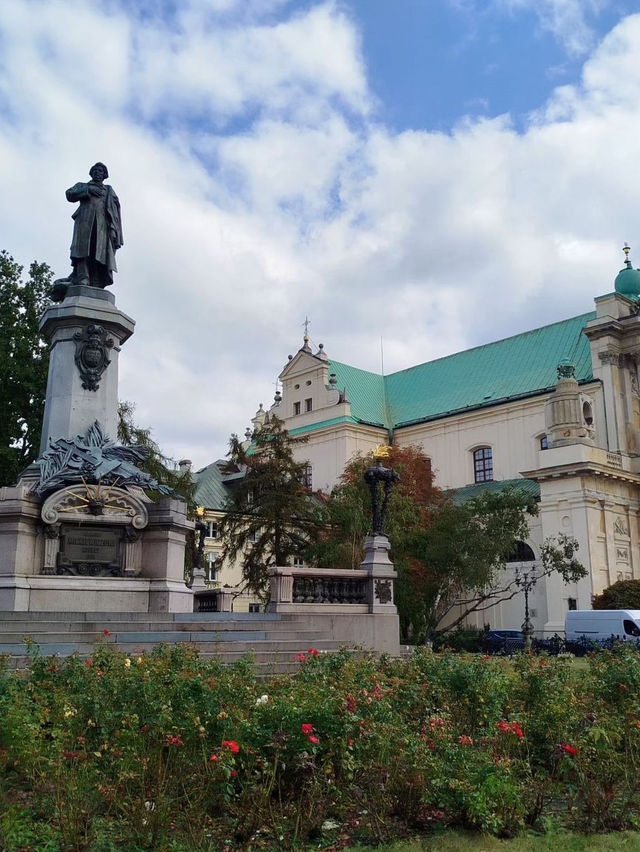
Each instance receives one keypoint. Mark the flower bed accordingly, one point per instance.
(165, 751)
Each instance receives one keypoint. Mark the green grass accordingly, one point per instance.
(459, 842)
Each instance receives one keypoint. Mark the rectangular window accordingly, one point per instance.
(306, 476)
(253, 536)
(254, 607)
(483, 465)
(308, 405)
(296, 408)
(298, 562)
(212, 529)
(213, 569)
(544, 443)
(572, 604)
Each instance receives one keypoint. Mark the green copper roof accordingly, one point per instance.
(517, 367)
(211, 491)
(365, 392)
(527, 487)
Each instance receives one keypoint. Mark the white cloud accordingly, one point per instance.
(257, 187)
(567, 20)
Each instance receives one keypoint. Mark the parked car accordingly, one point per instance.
(505, 641)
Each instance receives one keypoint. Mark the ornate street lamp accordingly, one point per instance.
(380, 480)
(201, 531)
(526, 580)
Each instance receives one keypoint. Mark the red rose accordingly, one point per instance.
(307, 729)
(569, 749)
(106, 632)
(301, 658)
(313, 653)
(465, 740)
(214, 758)
(232, 745)
(174, 741)
(314, 740)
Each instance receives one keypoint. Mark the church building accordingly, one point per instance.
(555, 410)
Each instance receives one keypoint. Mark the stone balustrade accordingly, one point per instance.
(368, 589)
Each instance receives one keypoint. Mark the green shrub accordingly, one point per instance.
(166, 751)
(625, 594)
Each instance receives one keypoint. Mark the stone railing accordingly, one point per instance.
(367, 589)
(213, 600)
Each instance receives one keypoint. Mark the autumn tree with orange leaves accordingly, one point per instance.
(450, 556)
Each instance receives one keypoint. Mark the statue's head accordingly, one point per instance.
(99, 171)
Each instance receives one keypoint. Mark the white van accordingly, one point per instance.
(601, 624)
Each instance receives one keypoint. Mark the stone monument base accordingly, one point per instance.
(26, 585)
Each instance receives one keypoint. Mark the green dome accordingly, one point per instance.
(628, 281)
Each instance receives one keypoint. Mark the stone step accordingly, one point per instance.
(290, 637)
(263, 651)
(26, 628)
(99, 617)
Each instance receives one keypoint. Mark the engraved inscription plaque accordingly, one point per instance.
(90, 551)
(91, 545)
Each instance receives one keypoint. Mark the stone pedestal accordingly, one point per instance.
(380, 569)
(28, 565)
(163, 545)
(21, 546)
(88, 547)
(85, 332)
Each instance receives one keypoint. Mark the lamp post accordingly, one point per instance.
(380, 480)
(526, 580)
(198, 570)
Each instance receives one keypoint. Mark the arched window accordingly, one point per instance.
(522, 553)
(483, 464)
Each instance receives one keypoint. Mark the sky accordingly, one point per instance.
(435, 174)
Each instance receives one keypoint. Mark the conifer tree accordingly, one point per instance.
(272, 515)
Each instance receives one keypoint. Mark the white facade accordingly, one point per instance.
(588, 476)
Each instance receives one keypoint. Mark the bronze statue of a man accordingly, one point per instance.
(97, 231)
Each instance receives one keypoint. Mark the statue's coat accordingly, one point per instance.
(100, 216)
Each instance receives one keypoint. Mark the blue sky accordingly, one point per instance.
(440, 173)
(433, 61)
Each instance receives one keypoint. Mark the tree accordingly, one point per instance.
(271, 515)
(625, 594)
(458, 561)
(159, 466)
(450, 558)
(24, 359)
(349, 515)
